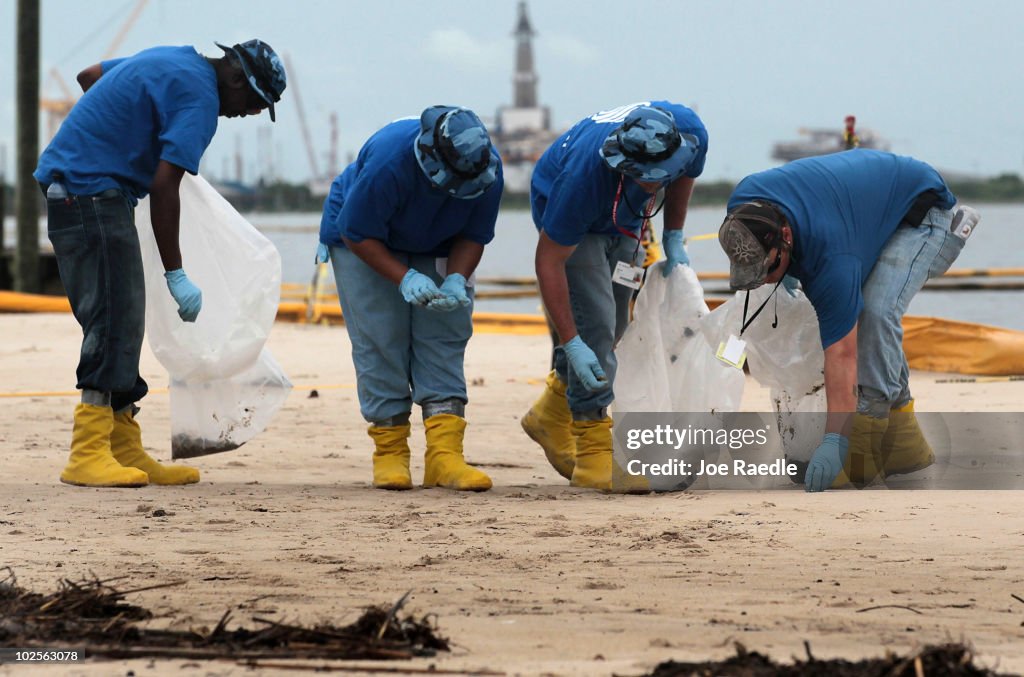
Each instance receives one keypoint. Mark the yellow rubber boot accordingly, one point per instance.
(863, 457)
(593, 469)
(126, 444)
(91, 463)
(446, 466)
(904, 448)
(625, 483)
(391, 457)
(548, 423)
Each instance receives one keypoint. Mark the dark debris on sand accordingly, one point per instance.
(92, 616)
(947, 660)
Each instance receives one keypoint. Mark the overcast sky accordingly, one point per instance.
(941, 79)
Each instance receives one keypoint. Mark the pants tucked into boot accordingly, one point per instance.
(880, 447)
(126, 445)
(863, 458)
(904, 448)
(445, 465)
(391, 456)
(91, 463)
(548, 423)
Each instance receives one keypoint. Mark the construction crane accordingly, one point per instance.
(122, 33)
(57, 108)
(297, 97)
(319, 183)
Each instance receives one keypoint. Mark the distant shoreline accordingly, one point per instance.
(296, 197)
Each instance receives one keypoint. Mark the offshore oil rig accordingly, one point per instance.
(522, 131)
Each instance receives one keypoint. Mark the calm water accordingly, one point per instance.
(998, 243)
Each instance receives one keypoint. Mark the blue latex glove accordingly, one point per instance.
(826, 463)
(585, 364)
(323, 254)
(672, 241)
(418, 289)
(186, 294)
(454, 290)
(790, 284)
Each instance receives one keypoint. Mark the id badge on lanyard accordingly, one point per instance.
(734, 351)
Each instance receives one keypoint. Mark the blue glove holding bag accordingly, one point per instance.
(186, 294)
(672, 241)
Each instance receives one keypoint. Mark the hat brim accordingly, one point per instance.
(746, 255)
(664, 171)
(745, 277)
(437, 171)
(251, 79)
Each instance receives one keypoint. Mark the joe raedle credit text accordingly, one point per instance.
(660, 440)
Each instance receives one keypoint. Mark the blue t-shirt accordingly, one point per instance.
(842, 208)
(161, 104)
(572, 190)
(384, 195)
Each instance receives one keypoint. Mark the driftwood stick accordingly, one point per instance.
(296, 628)
(890, 606)
(223, 653)
(391, 614)
(151, 587)
(366, 668)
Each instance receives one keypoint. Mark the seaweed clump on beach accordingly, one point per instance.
(93, 617)
(947, 660)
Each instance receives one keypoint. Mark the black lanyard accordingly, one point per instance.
(746, 304)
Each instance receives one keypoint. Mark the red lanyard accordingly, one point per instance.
(648, 213)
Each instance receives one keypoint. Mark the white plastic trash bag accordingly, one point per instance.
(787, 359)
(665, 365)
(223, 414)
(239, 273)
(225, 386)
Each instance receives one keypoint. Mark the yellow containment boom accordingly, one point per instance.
(935, 344)
(14, 302)
(931, 344)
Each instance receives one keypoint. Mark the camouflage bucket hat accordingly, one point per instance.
(263, 69)
(648, 146)
(455, 152)
(748, 235)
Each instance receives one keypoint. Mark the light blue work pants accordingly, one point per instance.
(402, 353)
(600, 309)
(911, 257)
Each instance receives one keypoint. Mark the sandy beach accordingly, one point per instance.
(532, 577)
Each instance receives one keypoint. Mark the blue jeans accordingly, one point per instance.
(911, 257)
(402, 353)
(100, 264)
(600, 310)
